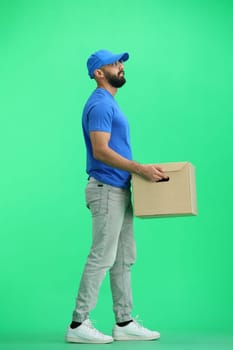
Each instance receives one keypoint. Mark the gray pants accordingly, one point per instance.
(113, 249)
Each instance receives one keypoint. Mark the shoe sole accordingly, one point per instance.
(85, 341)
(135, 338)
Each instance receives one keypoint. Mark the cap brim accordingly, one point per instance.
(118, 57)
(124, 57)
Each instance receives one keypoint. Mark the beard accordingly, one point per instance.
(115, 81)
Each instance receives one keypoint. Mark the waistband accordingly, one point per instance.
(92, 180)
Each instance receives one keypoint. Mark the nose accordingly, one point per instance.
(121, 64)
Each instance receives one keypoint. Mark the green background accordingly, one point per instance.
(178, 99)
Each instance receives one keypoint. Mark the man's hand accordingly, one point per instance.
(152, 172)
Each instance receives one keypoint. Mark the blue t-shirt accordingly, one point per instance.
(102, 113)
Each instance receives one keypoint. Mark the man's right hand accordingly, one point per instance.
(151, 172)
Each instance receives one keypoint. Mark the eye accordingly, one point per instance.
(116, 64)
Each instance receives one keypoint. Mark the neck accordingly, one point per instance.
(112, 90)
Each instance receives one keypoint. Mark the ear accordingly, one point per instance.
(98, 73)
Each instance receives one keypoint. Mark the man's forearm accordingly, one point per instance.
(115, 160)
(108, 156)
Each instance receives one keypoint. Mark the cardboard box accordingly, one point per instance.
(173, 198)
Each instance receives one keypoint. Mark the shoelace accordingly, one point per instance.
(90, 325)
(138, 322)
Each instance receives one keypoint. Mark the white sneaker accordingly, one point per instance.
(86, 333)
(134, 331)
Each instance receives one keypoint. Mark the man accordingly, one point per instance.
(108, 196)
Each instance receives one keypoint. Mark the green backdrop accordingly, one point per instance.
(178, 99)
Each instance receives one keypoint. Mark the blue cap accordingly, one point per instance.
(101, 58)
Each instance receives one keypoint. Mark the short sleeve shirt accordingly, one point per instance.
(102, 113)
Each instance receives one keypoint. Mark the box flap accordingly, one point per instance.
(173, 166)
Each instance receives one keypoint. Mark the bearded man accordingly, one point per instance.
(108, 196)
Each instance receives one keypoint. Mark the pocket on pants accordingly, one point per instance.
(97, 199)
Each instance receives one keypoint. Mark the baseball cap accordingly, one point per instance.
(101, 58)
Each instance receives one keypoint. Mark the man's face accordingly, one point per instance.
(114, 74)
